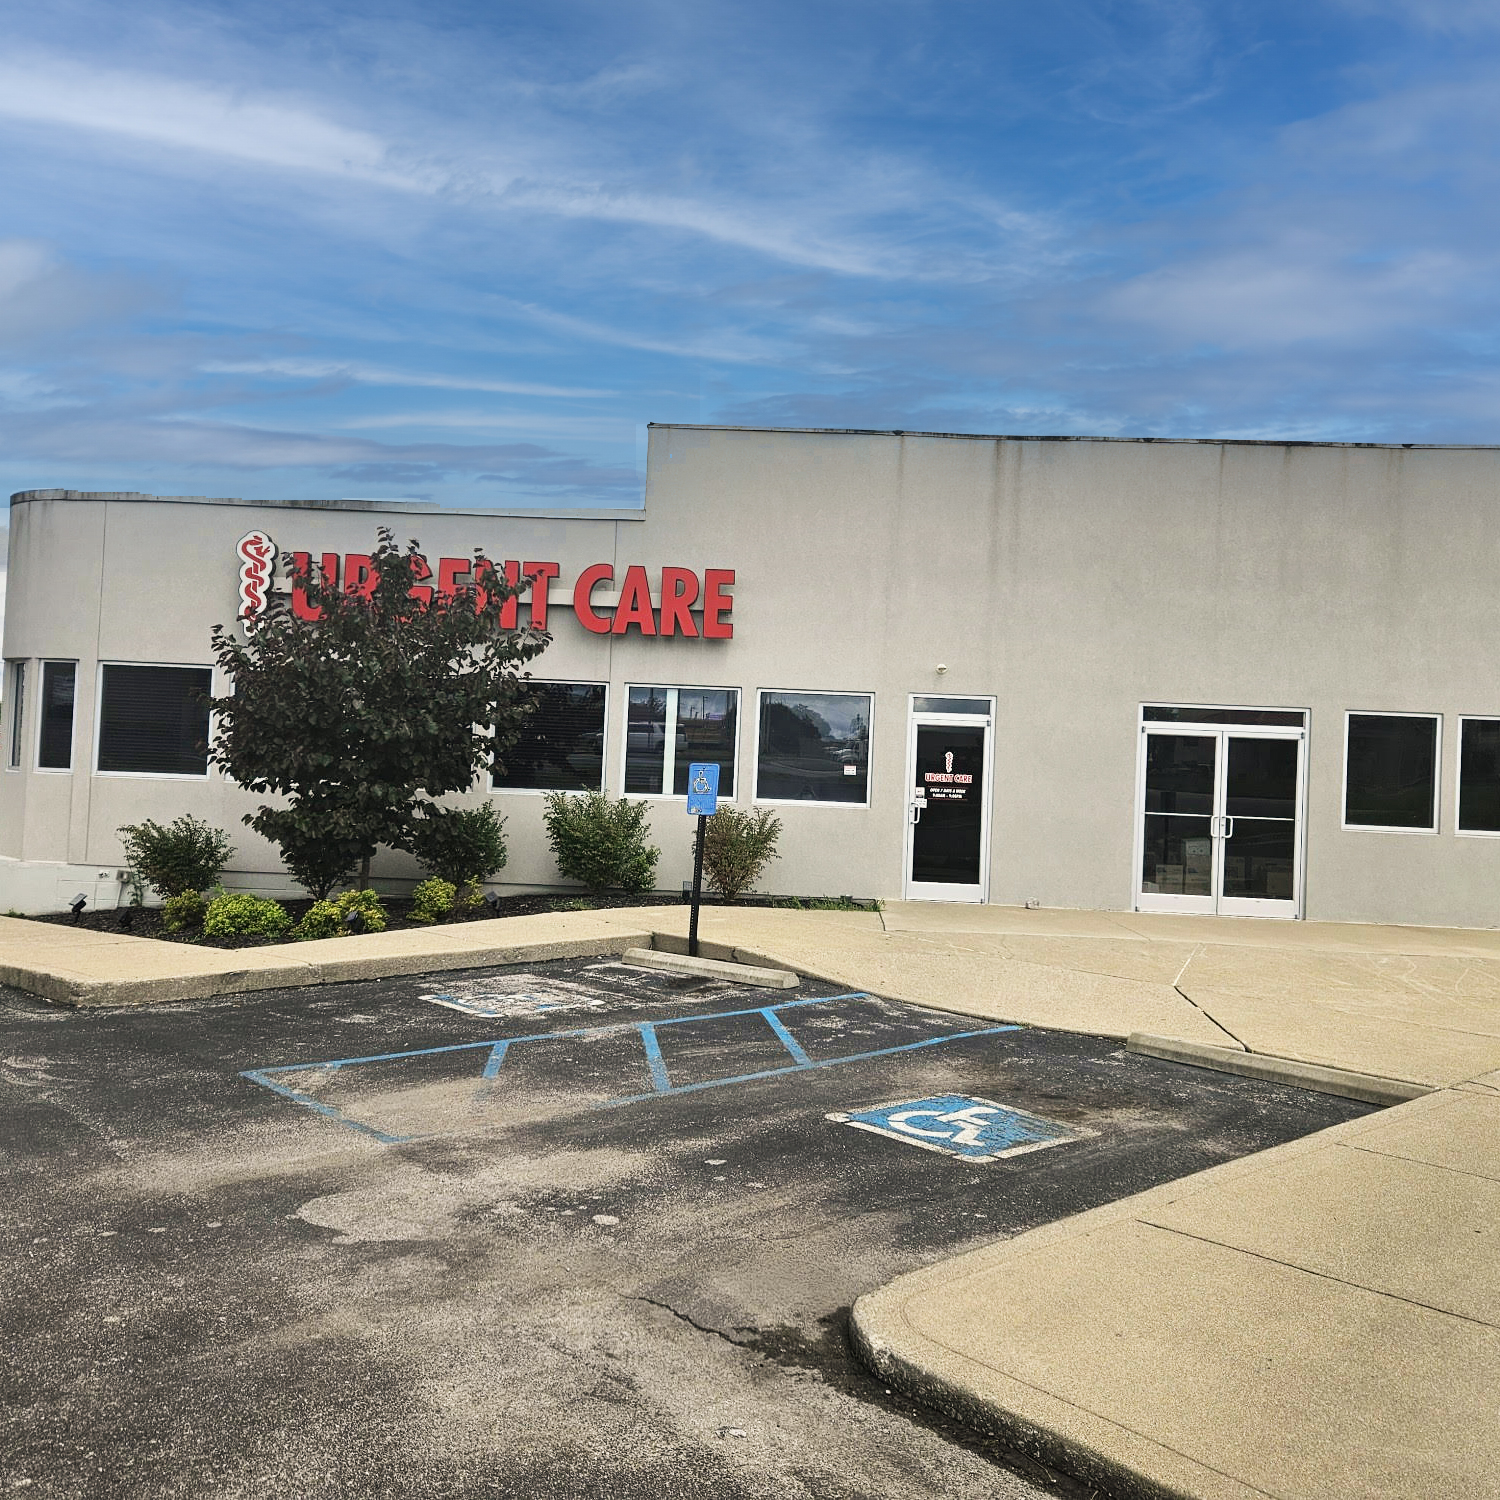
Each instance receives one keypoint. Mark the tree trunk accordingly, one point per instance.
(364, 873)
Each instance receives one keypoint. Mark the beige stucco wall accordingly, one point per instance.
(1071, 580)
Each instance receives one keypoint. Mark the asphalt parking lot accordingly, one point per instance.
(577, 1230)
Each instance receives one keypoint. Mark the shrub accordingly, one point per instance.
(316, 861)
(326, 918)
(600, 842)
(432, 900)
(462, 845)
(737, 846)
(184, 910)
(186, 855)
(243, 915)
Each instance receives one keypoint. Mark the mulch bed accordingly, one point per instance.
(146, 921)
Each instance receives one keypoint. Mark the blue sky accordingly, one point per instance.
(465, 252)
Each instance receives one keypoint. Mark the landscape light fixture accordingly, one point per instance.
(127, 919)
(492, 903)
(77, 904)
(355, 921)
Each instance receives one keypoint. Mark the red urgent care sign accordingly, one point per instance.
(680, 592)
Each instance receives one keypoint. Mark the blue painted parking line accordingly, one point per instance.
(497, 1050)
(654, 1058)
(787, 1039)
(806, 1067)
(959, 1125)
(326, 1110)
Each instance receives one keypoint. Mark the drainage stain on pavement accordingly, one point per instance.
(216, 1288)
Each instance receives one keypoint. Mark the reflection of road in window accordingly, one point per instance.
(814, 747)
(668, 728)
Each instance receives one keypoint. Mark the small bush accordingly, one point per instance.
(432, 900)
(600, 842)
(737, 847)
(244, 915)
(316, 860)
(183, 911)
(462, 845)
(186, 855)
(326, 919)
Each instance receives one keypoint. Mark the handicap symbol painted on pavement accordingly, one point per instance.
(959, 1125)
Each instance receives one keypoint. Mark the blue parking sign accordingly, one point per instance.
(703, 789)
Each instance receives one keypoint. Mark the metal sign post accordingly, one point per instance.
(703, 802)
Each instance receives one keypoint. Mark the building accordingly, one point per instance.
(1245, 677)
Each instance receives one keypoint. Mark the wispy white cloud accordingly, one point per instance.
(1290, 289)
(825, 220)
(194, 118)
(368, 374)
(1453, 17)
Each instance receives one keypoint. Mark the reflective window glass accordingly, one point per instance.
(55, 750)
(667, 729)
(16, 691)
(560, 747)
(814, 747)
(923, 703)
(1180, 772)
(1291, 718)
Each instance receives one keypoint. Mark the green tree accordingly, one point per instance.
(393, 695)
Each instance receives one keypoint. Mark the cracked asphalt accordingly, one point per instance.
(471, 1271)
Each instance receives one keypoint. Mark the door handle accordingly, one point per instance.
(916, 812)
(1228, 827)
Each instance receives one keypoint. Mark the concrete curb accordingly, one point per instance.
(1055, 1449)
(1368, 1088)
(63, 987)
(718, 968)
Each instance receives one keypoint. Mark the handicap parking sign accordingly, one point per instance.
(703, 789)
(959, 1125)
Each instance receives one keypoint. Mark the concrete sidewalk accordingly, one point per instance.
(74, 966)
(1322, 1320)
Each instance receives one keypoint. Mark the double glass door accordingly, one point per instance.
(1220, 823)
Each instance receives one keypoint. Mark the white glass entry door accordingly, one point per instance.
(1219, 826)
(948, 807)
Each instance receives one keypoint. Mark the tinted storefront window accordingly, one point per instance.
(1479, 777)
(154, 720)
(561, 747)
(668, 729)
(814, 747)
(1391, 773)
(55, 752)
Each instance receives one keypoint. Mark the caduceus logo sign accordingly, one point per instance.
(257, 554)
(948, 761)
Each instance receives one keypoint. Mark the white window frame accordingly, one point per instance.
(1437, 773)
(41, 717)
(1458, 780)
(669, 760)
(536, 791)
(864, 806)
(15, 747)
(188, 776)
